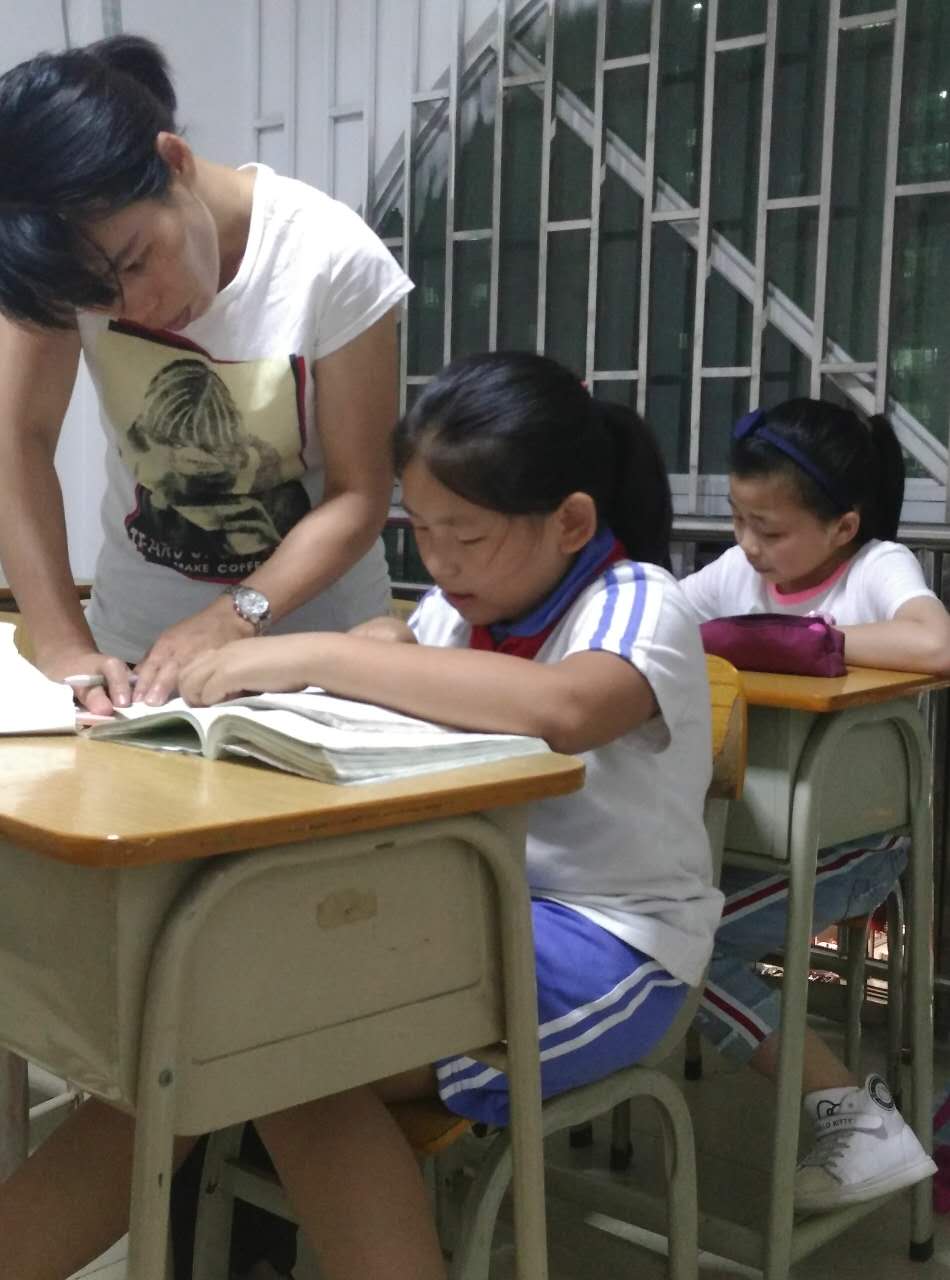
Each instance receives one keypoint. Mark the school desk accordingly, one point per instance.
(832, 760)
(343, 934)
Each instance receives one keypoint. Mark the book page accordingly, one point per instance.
(29, 702)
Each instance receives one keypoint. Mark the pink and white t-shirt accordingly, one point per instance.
(870, 587)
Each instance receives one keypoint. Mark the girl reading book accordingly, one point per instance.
(543, 516)
(816, 495)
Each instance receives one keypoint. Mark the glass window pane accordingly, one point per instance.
(527, 34)
(617, 391)
(389, 225)
(791, 245)
(741, 18)
(680, 97)
(628, 28)
(566, 302)
(924, 154)
(618, 272)
(472, 270)
(574, 50)
(473, 182)
(786, 372)
(857, 190)
(727, 332)
(570, 175)
(919, 373)
(855, 8)
(430, 166)
(520, 214)
(799, 96)
(673, 284)
(724, 401)
(735, 156)
(625, 106)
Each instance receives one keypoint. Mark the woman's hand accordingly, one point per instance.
(157, 675)
(262, 664)
(100, 700)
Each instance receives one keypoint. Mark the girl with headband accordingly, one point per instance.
(816, 496)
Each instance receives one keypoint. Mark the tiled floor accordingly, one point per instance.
(731, 1113)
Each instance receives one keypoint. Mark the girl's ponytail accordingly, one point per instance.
(639, 507)
(889, 489)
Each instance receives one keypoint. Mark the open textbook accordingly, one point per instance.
(31, 703)
(312, 733)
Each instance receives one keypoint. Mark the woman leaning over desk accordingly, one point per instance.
(239, 328)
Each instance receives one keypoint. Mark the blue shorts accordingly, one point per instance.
(602, 1005)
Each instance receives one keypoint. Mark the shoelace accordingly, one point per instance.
(827, 1151)
(831, 1138)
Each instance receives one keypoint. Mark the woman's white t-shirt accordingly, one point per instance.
(630, 850)
(870, 587)
(213, 453)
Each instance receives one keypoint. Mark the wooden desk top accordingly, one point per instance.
(91, 804)
(860, 687)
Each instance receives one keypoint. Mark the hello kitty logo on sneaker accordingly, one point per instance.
(826, 1108)
(880, 1093)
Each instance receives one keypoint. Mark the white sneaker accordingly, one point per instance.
(864, 1148)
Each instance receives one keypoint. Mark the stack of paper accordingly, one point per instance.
(30, 703)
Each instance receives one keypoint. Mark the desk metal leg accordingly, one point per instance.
(786, 1242)
(920, 986)
(14, 1113)
(803, 848)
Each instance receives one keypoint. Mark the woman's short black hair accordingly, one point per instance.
(77, 143)
(517, 433)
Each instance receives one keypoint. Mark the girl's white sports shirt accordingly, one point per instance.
(630, 850)
(870, 587)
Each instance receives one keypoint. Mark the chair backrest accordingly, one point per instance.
(730, 746)
(730, 732)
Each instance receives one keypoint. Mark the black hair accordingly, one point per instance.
(862, 461)
(516, 433)
(77, 143)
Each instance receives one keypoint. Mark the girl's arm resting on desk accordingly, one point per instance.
(37, 373)
(581, 702)
(356, 409)
(917, 638)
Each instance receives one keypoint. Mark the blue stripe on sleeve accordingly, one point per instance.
(632, 627)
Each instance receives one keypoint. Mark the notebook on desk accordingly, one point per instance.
(311, 733)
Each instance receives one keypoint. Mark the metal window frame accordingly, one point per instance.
(863, 381)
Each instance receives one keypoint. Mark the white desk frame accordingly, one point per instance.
(892, 794)
(208, 902)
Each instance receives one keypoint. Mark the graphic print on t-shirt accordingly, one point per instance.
(214, 447)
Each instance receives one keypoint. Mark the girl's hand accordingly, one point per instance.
(261, 664)
(100, 701)
(158, 672)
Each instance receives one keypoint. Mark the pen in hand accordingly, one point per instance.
(92, 682)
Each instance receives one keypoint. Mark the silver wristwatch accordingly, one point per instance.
(253, 606)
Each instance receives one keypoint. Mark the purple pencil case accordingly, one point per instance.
(778, 642)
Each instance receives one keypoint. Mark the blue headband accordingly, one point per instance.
(751, 424)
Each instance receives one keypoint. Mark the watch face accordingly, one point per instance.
(252, 604)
